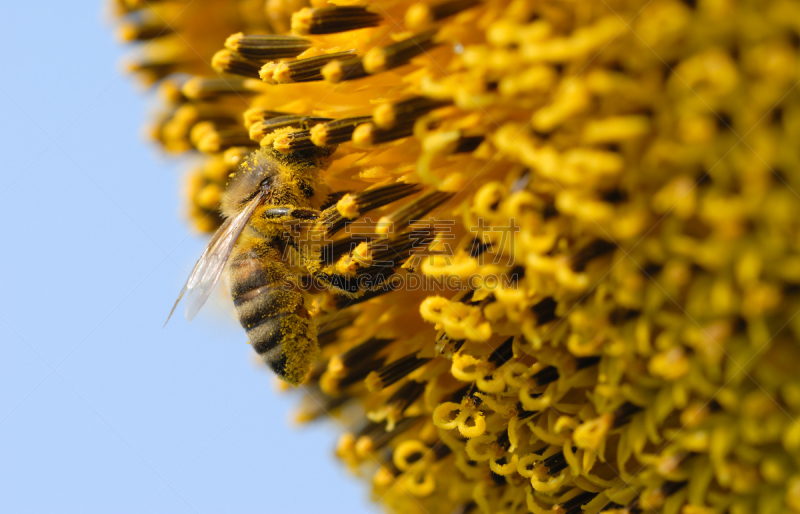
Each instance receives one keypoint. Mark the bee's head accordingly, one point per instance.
(285, 177)
(258, 172)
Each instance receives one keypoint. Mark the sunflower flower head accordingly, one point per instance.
(603, 313)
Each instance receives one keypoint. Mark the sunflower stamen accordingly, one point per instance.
(370, 134)
(300, 70)
(202, 88)
(468, 144)
(394, 225)
(344, 69)
(267, 47)
(387, 115)
(143, 28)
(260, 129)
(422, 15)
(255, 114)
(398, 54)
(294, 141)
(212, 139)
(574, 504)
(226, 61)
(395, 371)
(329, 20)
(337, 131)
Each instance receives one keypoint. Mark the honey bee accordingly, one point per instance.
(270, 191)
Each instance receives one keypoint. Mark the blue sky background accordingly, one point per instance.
(100, 409)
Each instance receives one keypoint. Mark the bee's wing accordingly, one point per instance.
(208, 269)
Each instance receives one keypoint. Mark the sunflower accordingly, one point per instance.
(607, 317)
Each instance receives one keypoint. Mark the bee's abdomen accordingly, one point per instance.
(266, 303)
(272, 312)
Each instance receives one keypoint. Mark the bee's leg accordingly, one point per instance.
(288, 214)
(291, 217)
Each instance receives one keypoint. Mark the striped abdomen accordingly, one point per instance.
(272, 311)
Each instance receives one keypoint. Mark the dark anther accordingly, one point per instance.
(546, 376)
(503, 353)
(615, 196)
(620, 315)
(502, 440)
(624, 413)
(574, 504)
(556, 462)
(593, 250)
(545, 310)
(724, 121)
(652, 269)
(476, 247)
(585, 362)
